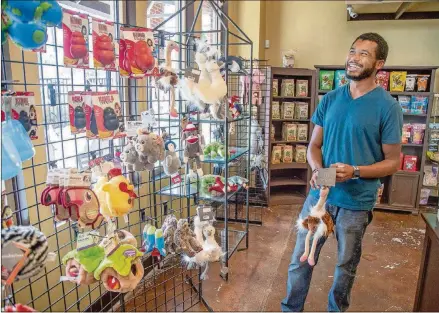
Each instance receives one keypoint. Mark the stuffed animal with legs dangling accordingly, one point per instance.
(319, 224)
(80, 265)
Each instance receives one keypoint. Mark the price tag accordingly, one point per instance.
(205, 213)
(131, 128)
(176, 178)
(86, 240)
(326, 177)
(148, 118)
(192, 74)
(111, 244)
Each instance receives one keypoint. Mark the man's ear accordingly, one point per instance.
(379, 65)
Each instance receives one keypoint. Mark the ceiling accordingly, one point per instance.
(392, 10)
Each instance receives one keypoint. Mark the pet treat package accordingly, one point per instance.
(410, 162)
(340, 78)
(108, 114)
(275, 110)
(136, 47)
(301, 88)
(91, 128)
(410, 82)
(423, 82)
(418, 131)
(24, 110)
(287, 154)
(75, 31)
(287, 89)
(104, 53)
(300, 154)
(275, 88)
(382, 79)
(326, 80)
(288, 110)
(301, 111)
(77, 112)
(430, 175)
(406, 133)
(302, 132)
(397, 81)
(272, 132)
(419, 105)
(276, 154)
(289, 132)
(404, 101)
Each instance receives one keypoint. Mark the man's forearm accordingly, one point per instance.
(314, 156)
(380, 169)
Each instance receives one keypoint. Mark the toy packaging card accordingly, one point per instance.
(75, 30)
(108, 112)
(382, 79)
(397, 81)
(104, 55)
(76, 112)
(340, 78)
(136, 47)
(90, 117)
(23, 109)
(326, 80)
(287, 88)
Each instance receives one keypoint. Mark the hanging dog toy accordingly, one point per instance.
(193, 147)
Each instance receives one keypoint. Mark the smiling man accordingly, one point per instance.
(358, 129)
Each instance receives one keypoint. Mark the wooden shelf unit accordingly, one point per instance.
(402, 190)
(289, 182)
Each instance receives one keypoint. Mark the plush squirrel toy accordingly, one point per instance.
(318, 223)
(193, 146)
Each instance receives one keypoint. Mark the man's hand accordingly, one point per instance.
(313, 181)
(344, 172)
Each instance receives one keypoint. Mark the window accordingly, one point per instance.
(159, 11)
(209, 21)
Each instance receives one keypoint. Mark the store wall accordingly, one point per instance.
(321, 34)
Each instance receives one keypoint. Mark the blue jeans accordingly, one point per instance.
(349, 230)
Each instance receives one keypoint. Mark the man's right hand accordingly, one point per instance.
(313, 181)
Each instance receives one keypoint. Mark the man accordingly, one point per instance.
(358, 129)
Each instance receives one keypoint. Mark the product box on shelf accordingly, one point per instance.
(287, 154)
(289, 131)
(340, 78)
(301, 111)
(410, 82)
(382, 79)
(108, 112)
(301, 88)
(406, 133)
(136, 57)
(417, 133)
(433, 134)
(24, 110)
(422, 82)
(275, 88)
(104, 53)
(410, 163)
(76, 112)
(419, 105)
(275, 110)
(300, 154)
(276, 154)
(287, 110)
(397, 81)
(302, 132)
(404, 101)
(287, 88)
(75, 32)
(326, 80)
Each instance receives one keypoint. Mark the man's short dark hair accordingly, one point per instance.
(382, 49)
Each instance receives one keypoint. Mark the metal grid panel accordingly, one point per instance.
(44, 74)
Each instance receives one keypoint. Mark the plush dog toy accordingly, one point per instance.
(150, 147)
(131, 159)
(318, 223)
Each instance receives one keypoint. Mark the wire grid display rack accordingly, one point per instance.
(167, 286)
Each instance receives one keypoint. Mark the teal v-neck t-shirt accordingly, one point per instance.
(353, 133)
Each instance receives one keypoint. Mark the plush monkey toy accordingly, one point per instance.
(193, 149)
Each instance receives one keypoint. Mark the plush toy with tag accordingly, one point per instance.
(184, 239)
(83, 206)
(193, 146)
(172, 162)
(80, 265)
(131, 159)
(169, 227)
(150, 147)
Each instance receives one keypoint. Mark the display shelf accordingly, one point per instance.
(290, 120)
(193, 118)
(406, 181)
(187, 191)
(290, 142)
(290, 98)
(283, 166)
(287, 181)
(220, 160)
(235, 238)
(387, 206)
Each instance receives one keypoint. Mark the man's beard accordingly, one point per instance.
(365, 73)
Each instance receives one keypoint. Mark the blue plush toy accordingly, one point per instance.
(160, 242)
(149, 237)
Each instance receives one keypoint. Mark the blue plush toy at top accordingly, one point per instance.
(25, 21)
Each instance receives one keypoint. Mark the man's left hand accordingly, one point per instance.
(344, 172)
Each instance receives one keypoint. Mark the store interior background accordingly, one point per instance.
(322, 35)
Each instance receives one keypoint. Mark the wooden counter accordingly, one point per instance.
(427, 293)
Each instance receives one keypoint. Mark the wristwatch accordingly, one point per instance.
(356, 172)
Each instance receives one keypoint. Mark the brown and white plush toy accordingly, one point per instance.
(193, 146)
(185, 239)
(318, 223)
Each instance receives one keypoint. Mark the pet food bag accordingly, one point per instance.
(275, 88)
(76, 112)
(382, 79)
(397, 81)
(423, 82)
(104, 55)
(136, 59)
(301, 111)
(109, 117)
(326, 80)
(288, 110)
(419, 105)
(24, 110)
(300, 154)
(302, 132)
(410, 82)
(276, 154)
(287, 89)
(287, 154)
(418, 131)
(75, 32)
(410, 163)
(404, 101)
(289, 132)
(340, 78)
(275, 110)
(406, 133)
(301, 88)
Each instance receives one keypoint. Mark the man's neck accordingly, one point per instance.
(360, 88)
